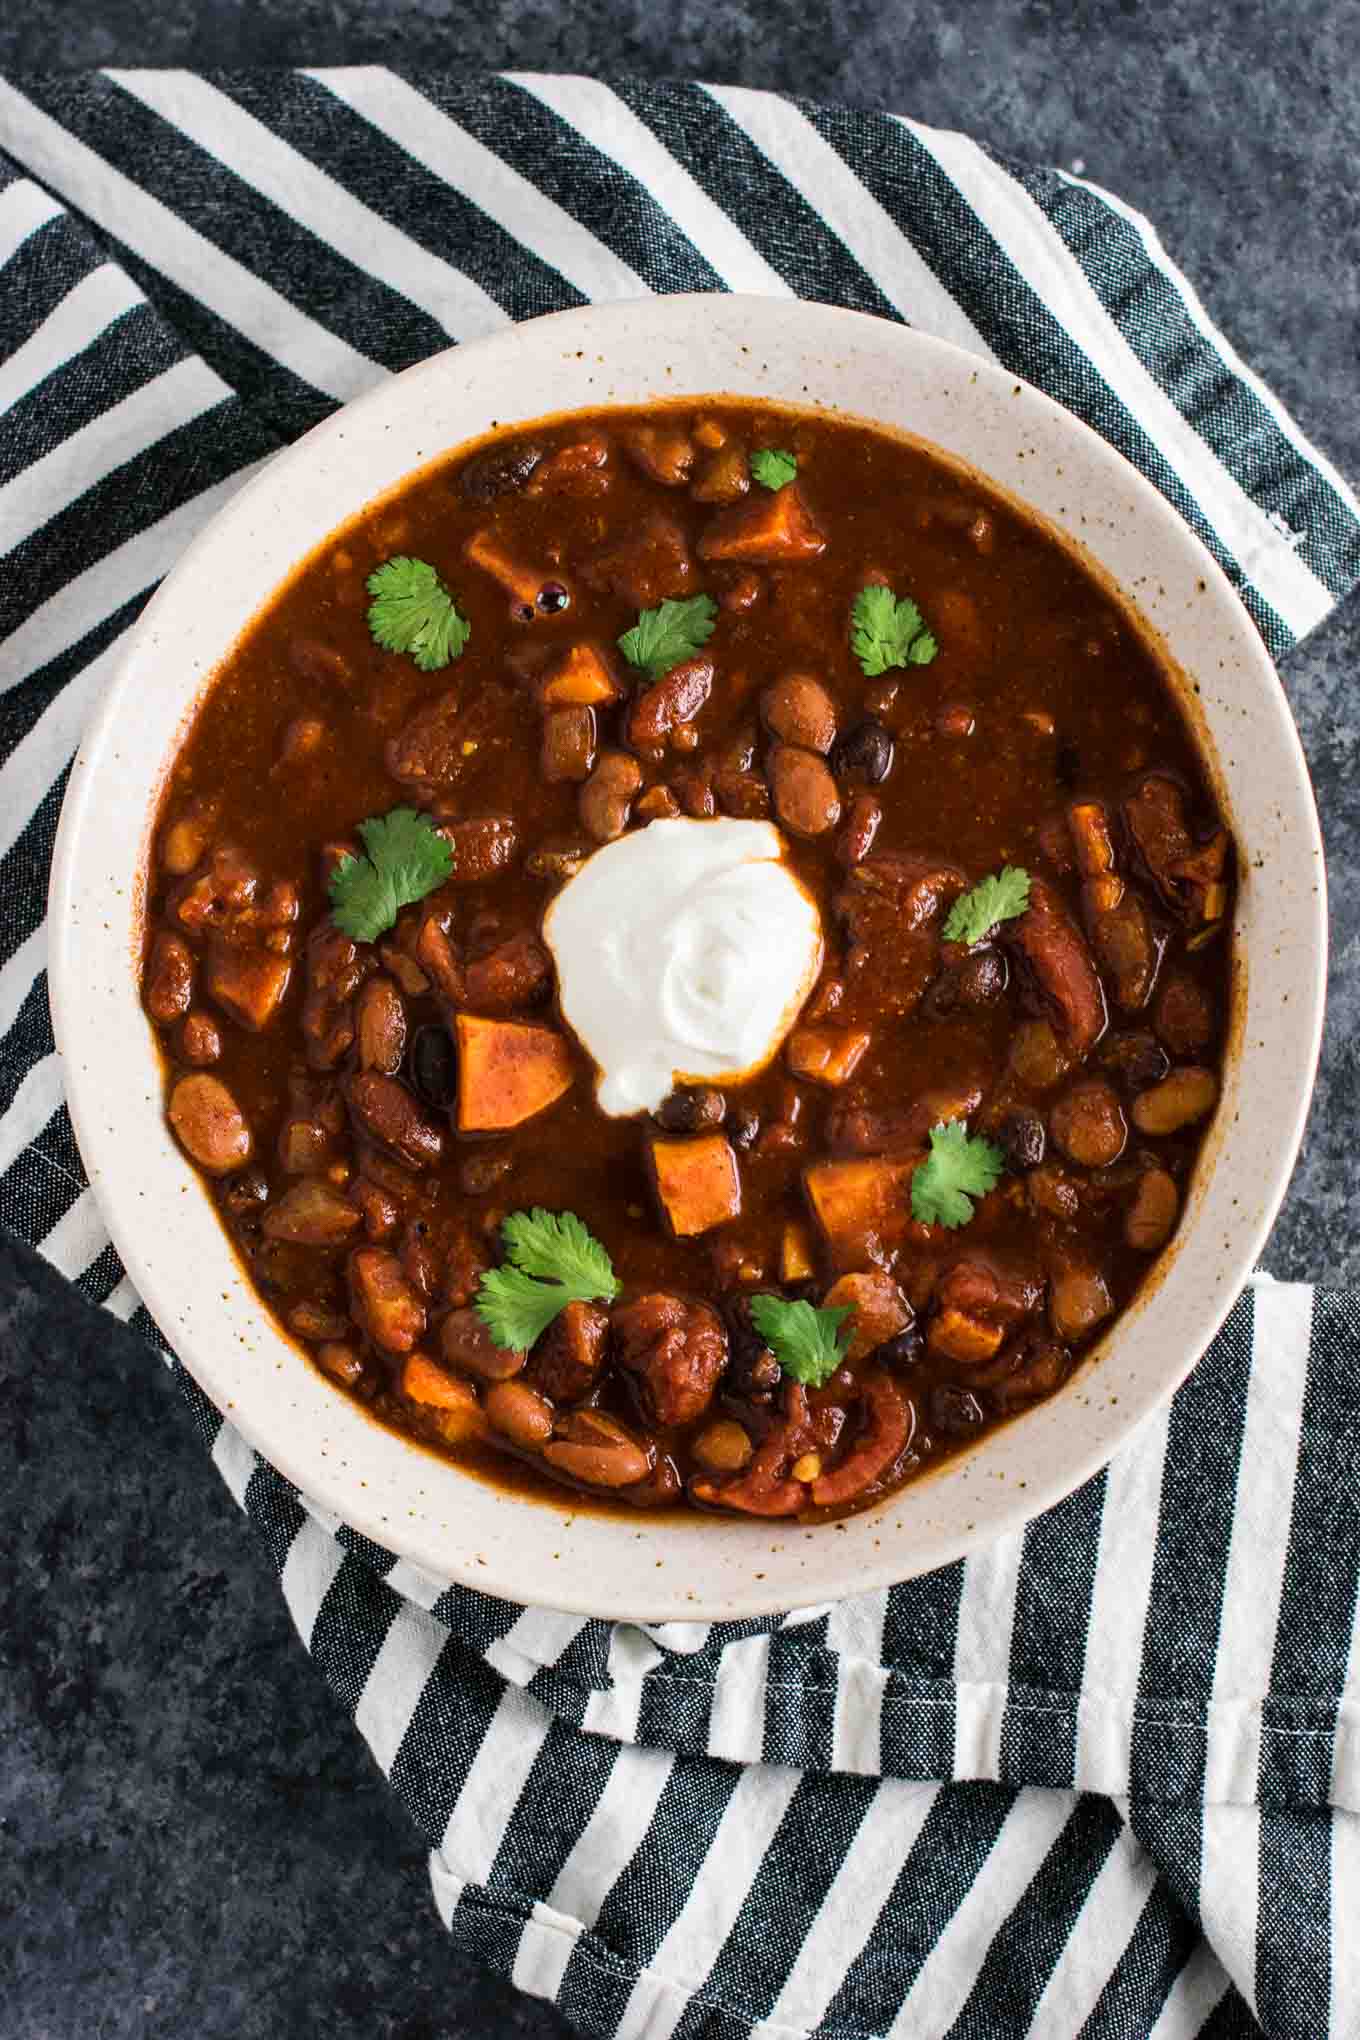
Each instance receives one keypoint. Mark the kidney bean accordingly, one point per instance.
(519, 1413)
(798, 710)
(385, 1109)
(380, 1026)
(596, 1451)
(467, 1344)
(198, 1040)
(209, 1125)
(805, 797)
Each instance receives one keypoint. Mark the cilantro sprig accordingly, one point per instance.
(406, 858)
(412, 611)
(959, 1167)
(808, 1343)
(887, 631)
(662, 637)
(1001, 896)
(552, 1260)
(773, 468)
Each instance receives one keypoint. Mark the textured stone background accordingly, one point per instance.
(191, 1839)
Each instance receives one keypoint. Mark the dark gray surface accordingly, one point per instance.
(193, 1841)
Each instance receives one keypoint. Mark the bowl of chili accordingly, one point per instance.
(714, 961)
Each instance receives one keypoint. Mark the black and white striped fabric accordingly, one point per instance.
(1104, 1778)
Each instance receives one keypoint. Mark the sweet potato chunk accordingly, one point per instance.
(697, 1181)
(648, 565)
(384, 1301)
(424, 1381)
(507, 1072)
(860, 1204)
(766, 530)
(581, 678)
(826, 1055)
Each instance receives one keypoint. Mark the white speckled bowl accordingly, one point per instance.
(162, 1221)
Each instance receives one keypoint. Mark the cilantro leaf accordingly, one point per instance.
(998, 897)
(808, 1344)
(553, 1260)
(407, 858)
(959, 1168)
(662, 637)
(412, 611)
(887, 632)
(772, 468)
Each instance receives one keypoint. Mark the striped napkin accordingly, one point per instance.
(1102, 1779)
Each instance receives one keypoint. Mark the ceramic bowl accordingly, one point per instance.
(159, 1215)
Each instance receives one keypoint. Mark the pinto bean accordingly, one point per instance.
(388, 1112)
(519, 1413)
(742, 794)
(805, 797)
(341, 1362)
(607, 795)
(209, 1125)
(1150, 1218)
(170, 980)
(1179, 1100)
(1088, 1124)
(798, 710)
(380, 1024)
(1184, 1018)
(384, 1301)
(467, 1344)
(597, 1451)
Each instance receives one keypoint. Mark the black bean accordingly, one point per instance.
(1138, 1060)
(242, 1193)
(1022, 1140)
(955, 1411)
(867, 749)
(904, 1349)
(982, 977)
(499, 471)
(692, 1111)
(434, 1066)
(743, 1124)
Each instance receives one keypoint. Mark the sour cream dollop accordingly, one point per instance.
(684, 953)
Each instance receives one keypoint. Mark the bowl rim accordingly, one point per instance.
(74, 943)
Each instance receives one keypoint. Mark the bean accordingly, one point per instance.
(209, 1125)
(1079, 1300)
(467, 1344)
(1151, 1216)
(434, 1066)
(199, 1041)
(955, 1411)
(867, 749)
(692, 1111)
(1036, 1056)
(380, 1025)
(1179, 1100)
(187, 838)
(856, 838)
(1136, 1059)
(798, 710)
(1088, 1124)
(805, 796)
(341, 1362)
(607, 795)
(593, 1449)
(170, 980)
(723, 1447)
(386, 1111)
(519, 1413)
(1022, 1140)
